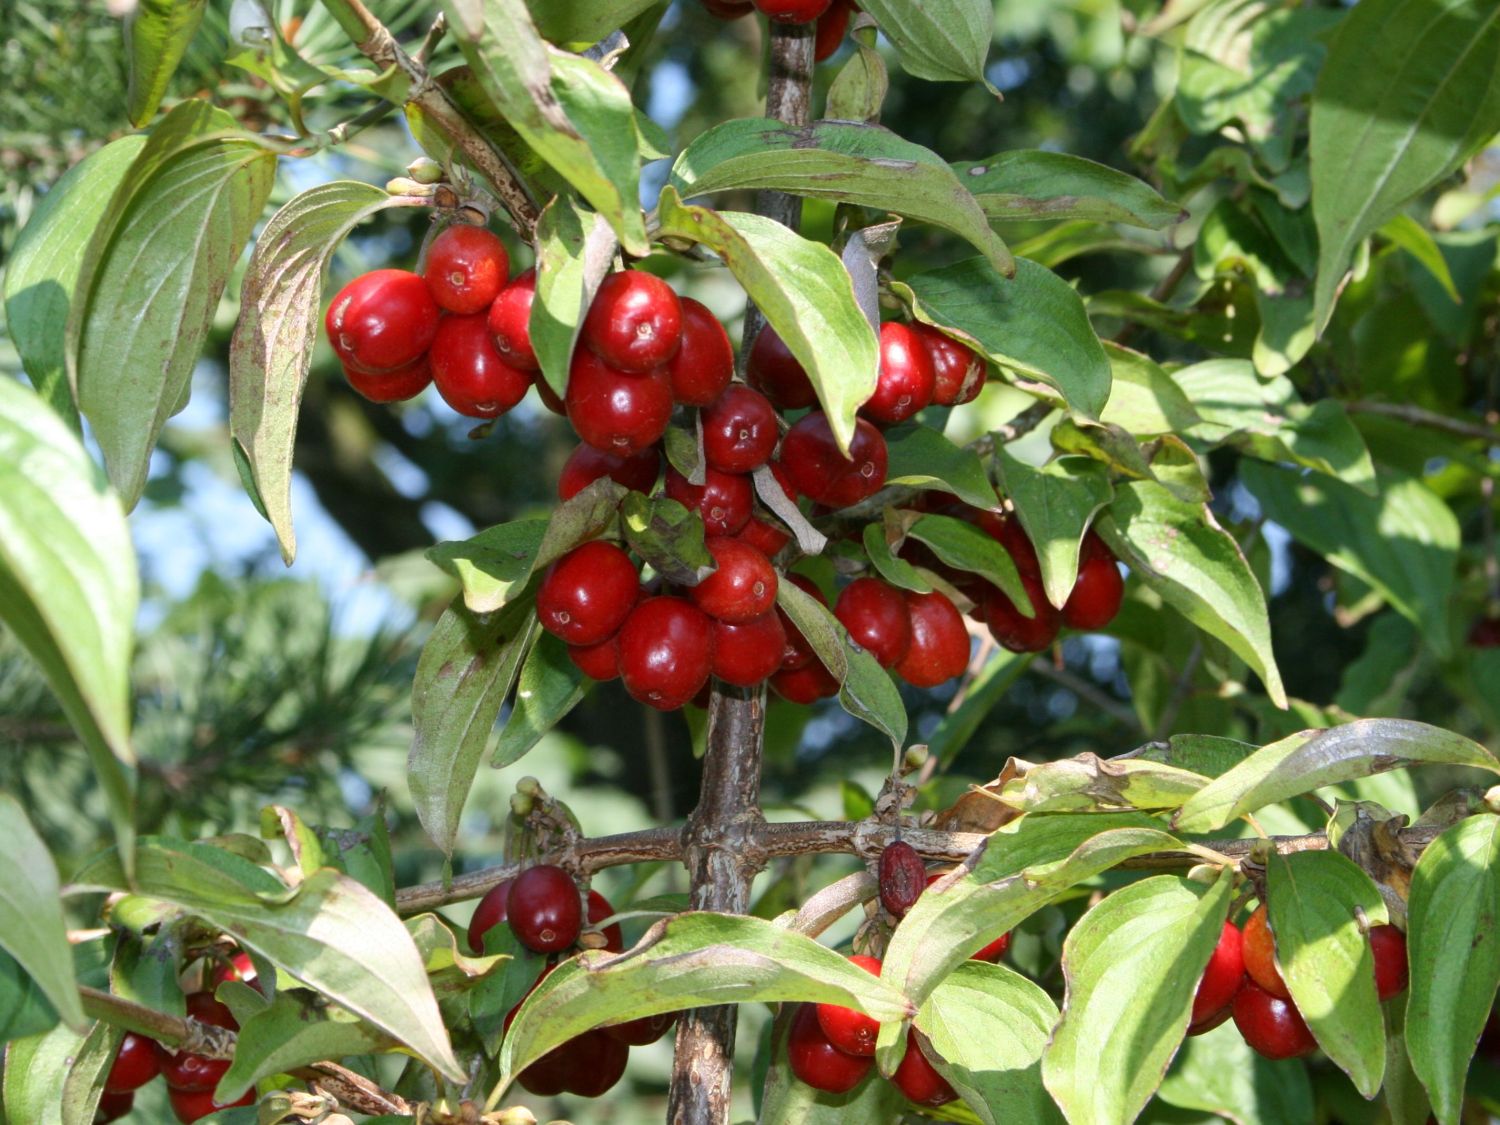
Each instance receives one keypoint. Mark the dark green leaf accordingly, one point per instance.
(964, 546)
(1033, 184)
(667, 537)
(581, 25)
(550, 686)
(145, 970)
(157, 34)
(919, 455)
(1220, 1073)
(498, 992)
(363, 852)
(944, 40)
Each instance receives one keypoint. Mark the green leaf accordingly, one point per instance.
(1087, 782)
(32, 928)
(1312, 759)
(897, 571)
(157, 34)
(24, 1010)
(1417, 240)
(866, 690)
(272, 347)
(1132, 965)
(689, 961)
(362, 851)
(1178, 549)
(551, 685)
(56, 1078)
(581, 25)
(292, 1031)
(1219, 1073)
(68, 585)
(42, 271)
(964, 546)
(492, 999)
(1026, 184)
(1056, 504)
(804, 292)
(867, 165)
(667, 537)
(920, 456)
(1408, 92)
(1453, 955)
(145, 969)
(467, 668)
(944, 40)
(330, 932)
(858, 90)
(1143, 399)
(1405, 1099)
(1034, 323)
(1326, 960)
(575, 249)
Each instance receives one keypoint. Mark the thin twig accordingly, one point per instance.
(1428, 419)
(1161, 291)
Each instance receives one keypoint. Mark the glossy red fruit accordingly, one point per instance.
(875, 614)
(832, 25)
(742, 588)
(1008, 532)
(1099, 589)
(392, 386)
(187, 1071)
(635, 322)
(958, 371)
(509, 321)
(816, 1061)
(240, 968)
(820, 471)
(1272, 1026)
(112, 1107)
(774, 371)
(906, 380)
(724, 500)
(918, 1079)
(613, 411)
(739, 430)
(704, 363)
(1213, 1021)
(136, 1063)
(202, 1007)
(599, 662)
(792, 11)
(850, 1031)
(729, 9)
(1258, 947)
(902, 878)
(192, 1105)
(586, 464)
(544, 908)
(382, 320)
(765, 537)
(798, 653)
(490, 912)
(599, 1062)
(548, 397)
(550, 1074)
(587, 594)
(666, 651)
(643, 1030)
(939, 642)
(1013, 631)
(748, 652)
(466, 268)
(1220, 980)
(805, 685)
(469, 373)
(600, 909)
(1485, 633)
(1388, 944)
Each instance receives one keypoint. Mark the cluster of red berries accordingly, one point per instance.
(544, 910)
(190, 1078)
(832, 16)
(1242, 982)
(831, 1047)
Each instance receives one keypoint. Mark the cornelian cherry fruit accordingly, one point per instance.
(193, 1105)
(799, 653)
(851, 1031)
(599, 662)
(1271, 1025)
(792, 11)
(666, 652)
(906, 381)
(1220, 981)
(587, 594)
(816, 1061)
(805, 685)
(1014, 631)
(739, 430)
(585, 465)
(598, 1063)
(832, 25)
(466, 268)
(772, 369)
(704, 363)
(240, 968)
(600, 909)
(613, 411)
(918, 1079)
(765, 537)
(509, 320)
(818, 470)
(392, 386)
(729, 9)
(544, 908)
(634, 323)
(469, 373)
(742, 588)
(748, 652)
(136, 1063)
(1258, 947)
(1388, 944)
(112, 1107)
(642, 1030)
(958, 371)
(902, 878)
(382, 320)
(939, 642)
(490, 912)
(1484, 633)
(1099, 589)
(723, 499)
(875, 614)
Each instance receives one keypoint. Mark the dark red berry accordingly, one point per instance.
(643, 1030)
(544, 909)
(739, 430)
(939, 642)
(490, 912)
(774, 371)
(587, 594)
(598, 662)
(724, 500)
(1220, 980)
(849, 1030)
(816, 1061)
(600, 909)
(548, 397)
(1272, 1026)
(136, 1063)
(958, 371)
(805, 685)
(469, 373)
(792, 11)
(1099, 589)
(704, 363)
(112, 1107)
(192, 1105)
(1389, 947)
(586, 464)
(875, 614)
(240, 968)
(392, 386)
(186, 1071)
(509, 320)
(1013, 631)
(832, 25)
(614, 411)
(202, 1007)
(550, 1074)
(598, 1063)
(1485, 633)
(382, 320)
(666, 651)
(466, 268)
(798, 653)
(1258, 947)
(729, 9)
(903, 878)
(1008, 532)
(820, 471)
(743, 587)
(748, 652)
(635, 322)
(906, 379)
(918, 1079)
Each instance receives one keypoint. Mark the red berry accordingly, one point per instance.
(1221, 979)
(635, 322)
(958, 371)
(600, 909)
(903, 878)
(1389, 947)
(764, 537)
(599, 662)
(729, 9)
(1097, 593)
(587, 594)
(469, 373)
(586, 464)
(832, 25)
(614, 411)
(550, 1074)
(466, 266)
(489, 912)
(704, 363)
(743, 587)
(136, 1063)
(1212, 1021)
(666, 652)
(392, 386)
(799, 653)
(906, 378)
(749, 652)
(509, 320)
(382, 320)
(643, 1030)
(544, 392)
(805, 685)
(739, 430)
(918, 1079)
(112, 1107)
(1008, 532)
(875, 614)
(939, 642)
(820, 471)
(191, 1105)
(774, 371)
(851, 1031)
(816, 1061)
(1485, 633)
(1258, 946)
(187, 1071)
(544, 908)
(1010, 629)
(793, 11)
(723, 499)
(240, 968)
(598, 1063)
(1272, 1026)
